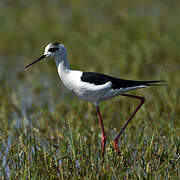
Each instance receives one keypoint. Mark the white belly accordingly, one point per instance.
(84, 90)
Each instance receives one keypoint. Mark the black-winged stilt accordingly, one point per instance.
(94, 87)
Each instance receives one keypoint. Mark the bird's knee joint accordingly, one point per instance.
(143, 99)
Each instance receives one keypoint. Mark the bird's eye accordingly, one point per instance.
(53, 49)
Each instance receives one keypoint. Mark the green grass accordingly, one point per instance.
(46, 132)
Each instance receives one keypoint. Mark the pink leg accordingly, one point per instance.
(102, 130)
(142, 99)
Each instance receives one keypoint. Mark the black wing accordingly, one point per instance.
(99, 79)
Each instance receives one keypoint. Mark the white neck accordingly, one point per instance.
(62, 64)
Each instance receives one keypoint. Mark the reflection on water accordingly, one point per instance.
(4, 154)
(25, 96)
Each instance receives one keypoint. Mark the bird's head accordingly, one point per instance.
(54, 49)
(51, 50)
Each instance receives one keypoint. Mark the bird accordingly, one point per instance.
(94, 87)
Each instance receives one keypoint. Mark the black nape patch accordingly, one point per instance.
(55, 44)
(100, 79)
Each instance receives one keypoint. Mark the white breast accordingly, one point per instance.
(84, 90)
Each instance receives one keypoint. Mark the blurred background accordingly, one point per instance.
(132, 40)
(137, 40)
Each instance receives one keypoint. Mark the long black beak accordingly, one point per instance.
(42, 57)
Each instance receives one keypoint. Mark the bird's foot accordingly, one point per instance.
(116, 147)
(103, 144)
